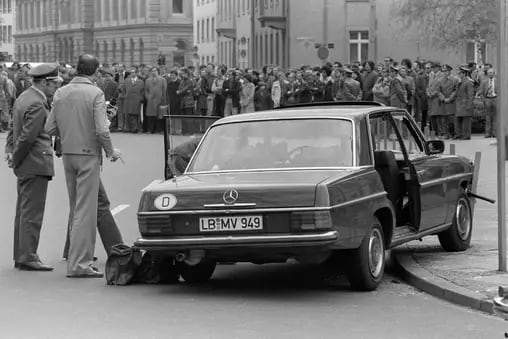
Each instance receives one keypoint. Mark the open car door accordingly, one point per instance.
(192, 125)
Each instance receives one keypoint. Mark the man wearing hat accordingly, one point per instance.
(30, 154)
(398, 94)
(79, 118)
(447, 93)
(351, 87)
(464, 103)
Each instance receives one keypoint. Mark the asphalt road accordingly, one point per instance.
(241, 301)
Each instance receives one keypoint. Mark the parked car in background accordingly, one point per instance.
(334, 184)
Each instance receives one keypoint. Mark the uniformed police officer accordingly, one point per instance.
(31, 156)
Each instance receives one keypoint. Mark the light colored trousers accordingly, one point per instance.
(82, 174)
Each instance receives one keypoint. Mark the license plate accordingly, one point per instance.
(232, 223)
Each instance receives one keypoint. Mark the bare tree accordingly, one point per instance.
(448, 23)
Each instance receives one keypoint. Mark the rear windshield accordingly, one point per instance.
(272, 144)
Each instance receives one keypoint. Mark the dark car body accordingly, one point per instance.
(309, 213)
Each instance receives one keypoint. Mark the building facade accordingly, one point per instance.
(205, 37)
(131, 32)
(253, 33)
(7, 12)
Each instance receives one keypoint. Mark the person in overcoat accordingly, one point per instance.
(488, 91)
(369, 79)
(134, 96)
(111, 92)
(421, 99)
(398, 95)
(156, 96)
(247, 95)
(464, 102)
(352, 90)
(31, 157)
(172, 85)
(447, 92)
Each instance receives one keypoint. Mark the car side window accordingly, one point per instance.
(410, 139)
(385, 138)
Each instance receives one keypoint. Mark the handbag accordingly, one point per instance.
(122, 264)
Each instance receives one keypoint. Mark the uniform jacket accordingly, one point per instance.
(465, 97)
(432, 94)
(155, 93)
(134, 96)
(79, 117)
(447, 92)
(30, 145)
(352, 90)
(397, 93)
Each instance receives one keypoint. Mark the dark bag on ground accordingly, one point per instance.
(122, 264)
(155, 270)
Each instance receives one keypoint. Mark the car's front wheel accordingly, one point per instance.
(367, 263)
(458, 237)
(199, 273)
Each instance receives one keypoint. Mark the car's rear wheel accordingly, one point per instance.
(199, 273)
(458, 237)
(367, 263)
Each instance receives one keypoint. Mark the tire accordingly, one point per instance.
(199, 273)
(457, 238)
(367, 262)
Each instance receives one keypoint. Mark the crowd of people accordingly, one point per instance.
(435, 94)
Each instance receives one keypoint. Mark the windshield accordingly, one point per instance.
(276, 144)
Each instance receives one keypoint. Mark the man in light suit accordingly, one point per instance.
(489, 91)
(30, 154)
(79, 118)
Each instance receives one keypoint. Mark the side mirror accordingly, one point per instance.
(435, 146)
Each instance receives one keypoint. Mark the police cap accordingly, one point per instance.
(44, 71)
(447, 68)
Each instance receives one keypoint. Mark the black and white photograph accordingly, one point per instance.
(253, 169)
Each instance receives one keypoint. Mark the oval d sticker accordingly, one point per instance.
(165, 202)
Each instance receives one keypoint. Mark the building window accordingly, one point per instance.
(178, 6)
(197, 30)
(203, 30)
(213, 29)
(476, 51)
(207, 30)
(9, 33)
(134, 12)
(116, 10)
(358, 46)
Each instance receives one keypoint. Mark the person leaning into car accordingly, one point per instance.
(30, 154)
(79, 118)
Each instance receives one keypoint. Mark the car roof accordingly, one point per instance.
(350, 112)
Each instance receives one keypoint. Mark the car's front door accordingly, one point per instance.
(429, 170)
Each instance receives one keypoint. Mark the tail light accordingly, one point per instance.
(160, 224)
(312, 220)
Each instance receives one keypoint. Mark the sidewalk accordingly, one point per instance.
(467, 278)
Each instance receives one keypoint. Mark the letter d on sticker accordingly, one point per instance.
(165, 202)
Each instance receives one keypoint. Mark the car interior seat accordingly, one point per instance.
(387, 167)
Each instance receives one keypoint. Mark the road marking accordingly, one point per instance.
(118, 209)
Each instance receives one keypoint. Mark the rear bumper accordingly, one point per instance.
(238, 241)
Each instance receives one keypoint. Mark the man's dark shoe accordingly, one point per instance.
(34, 266)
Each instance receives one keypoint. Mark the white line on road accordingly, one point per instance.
(118, 209)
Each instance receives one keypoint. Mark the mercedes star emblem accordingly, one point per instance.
(230, 196)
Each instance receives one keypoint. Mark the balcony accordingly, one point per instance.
(226, 29)
(273, 16)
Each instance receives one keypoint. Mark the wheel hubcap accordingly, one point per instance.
(463, 219)
(376, 253)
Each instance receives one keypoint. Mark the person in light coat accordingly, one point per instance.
(247, 95)
(156, 96)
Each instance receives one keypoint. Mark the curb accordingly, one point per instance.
(419, 277)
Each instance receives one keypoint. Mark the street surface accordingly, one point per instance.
(241, 301)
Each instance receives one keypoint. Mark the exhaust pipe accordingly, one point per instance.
(180, 257)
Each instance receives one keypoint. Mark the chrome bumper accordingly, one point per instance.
(240, 240)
